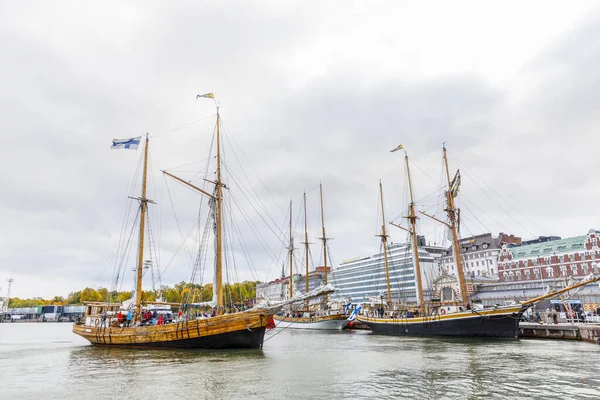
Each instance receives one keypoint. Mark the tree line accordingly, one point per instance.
(182, 292)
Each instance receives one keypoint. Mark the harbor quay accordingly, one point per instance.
(51, 313)
(575, 331)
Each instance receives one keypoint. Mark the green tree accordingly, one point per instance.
(148, 295)
(74, 298)
(104, 293)
(122, 296)
(89, 294)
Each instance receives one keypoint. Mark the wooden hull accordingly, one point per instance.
(502, 322)
(327, 322)
(231, 331)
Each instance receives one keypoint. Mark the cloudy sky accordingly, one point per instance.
(309, 92)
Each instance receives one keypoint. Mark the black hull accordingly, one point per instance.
(501, 326)
(244, 339)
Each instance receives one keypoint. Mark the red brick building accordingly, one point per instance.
(578, 256)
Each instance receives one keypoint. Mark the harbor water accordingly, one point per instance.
(47, 361)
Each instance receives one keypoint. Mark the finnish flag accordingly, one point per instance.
(348, 307)
(355, 312)
(132, 143)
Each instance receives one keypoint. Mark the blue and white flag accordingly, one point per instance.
(132, 143)
(348, 307)
(355, 312)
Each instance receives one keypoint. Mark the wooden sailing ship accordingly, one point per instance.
(434, 317)
(307, 318)
(244, 329)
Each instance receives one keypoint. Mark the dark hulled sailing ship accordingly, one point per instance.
(456, 318)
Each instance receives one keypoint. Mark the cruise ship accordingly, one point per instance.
(363, 278)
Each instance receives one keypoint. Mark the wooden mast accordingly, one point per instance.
(324, 239)
(291, 254)
(413, 230)
(384, 237)
(451, 210)
(219, 222)
(143, 207)
(306, 247)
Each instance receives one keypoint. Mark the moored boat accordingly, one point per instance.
(450, 318)
(117, 324)
(311, 318)
(438, 318)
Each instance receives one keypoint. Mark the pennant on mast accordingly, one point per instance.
(400, 147)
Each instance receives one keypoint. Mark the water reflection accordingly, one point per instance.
(300, 364)
(116, 356)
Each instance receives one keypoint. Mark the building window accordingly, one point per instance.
(550, 272)
(574, 269)
(446, 293)
(584, 268)
(492, 270)
(537, 274)
(518, 275)
(527, 274)
(563, 270)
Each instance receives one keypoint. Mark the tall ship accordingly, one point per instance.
(445, 318)
(224, 329)
(319, 316)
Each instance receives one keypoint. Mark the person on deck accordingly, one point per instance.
(161, 320)
(120, 317)
(129, 318)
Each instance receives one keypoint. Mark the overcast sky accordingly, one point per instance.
(309, 92)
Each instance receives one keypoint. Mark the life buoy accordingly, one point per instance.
(97, 322)
(442, 311)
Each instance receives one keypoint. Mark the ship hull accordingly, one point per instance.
(329, 323)
(495, 323)
(233, 331)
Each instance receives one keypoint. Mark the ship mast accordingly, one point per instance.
(324, 239)
(216, 196)
(413, 230)
(306, 247)
(452, 216)
(291, 254)
(219, 222)
(384, 237)
(143, 208)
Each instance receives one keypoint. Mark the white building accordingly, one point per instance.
(364, 278)
(479, 256)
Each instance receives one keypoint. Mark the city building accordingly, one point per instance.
(577, 256)
(531, 269)
(479, 255)
(364, 279)
(447, 288)
(279, 289)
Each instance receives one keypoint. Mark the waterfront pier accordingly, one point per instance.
(586, 332)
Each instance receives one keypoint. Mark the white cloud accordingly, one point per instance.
(310, 92)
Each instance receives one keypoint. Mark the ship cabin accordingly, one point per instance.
(100, 313)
